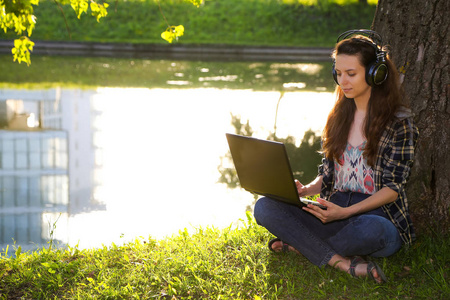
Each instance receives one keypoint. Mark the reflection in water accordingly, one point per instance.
(38, 181)
(304, 159)
(114, 164)
(144, 73)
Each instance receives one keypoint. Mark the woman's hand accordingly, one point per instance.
(310, 189)
(332, 213)
(301, 189)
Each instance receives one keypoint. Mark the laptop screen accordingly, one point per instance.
(263, 167)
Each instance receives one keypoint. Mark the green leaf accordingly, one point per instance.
(172, 33)
(196, 2)
(168, 36)
(18, 251)
(22, 48)
(79, 6)
(99, 10)
(179, 30)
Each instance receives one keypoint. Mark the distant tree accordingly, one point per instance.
(18, 16)
(418, 35)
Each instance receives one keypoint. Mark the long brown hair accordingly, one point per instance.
(385, 100)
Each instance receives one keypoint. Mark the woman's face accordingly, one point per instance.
(351, 76)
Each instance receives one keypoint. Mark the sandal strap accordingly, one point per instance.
(271, 242)
(284, 248)
(370, 267)
(355, 261)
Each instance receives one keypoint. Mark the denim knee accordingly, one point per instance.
(367, 235)
(260, 209)
(391, 240)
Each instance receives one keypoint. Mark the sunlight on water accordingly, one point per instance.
(153, 154)
(161, 149)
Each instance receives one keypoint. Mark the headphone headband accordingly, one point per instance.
(374, 36)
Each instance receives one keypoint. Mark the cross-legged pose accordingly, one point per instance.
(368, 149)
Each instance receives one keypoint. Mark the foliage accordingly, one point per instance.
(81, 6)
(18, 15)
(263, 22)
(211, 263)
(22, 48)
(172, 33)
(288, 22)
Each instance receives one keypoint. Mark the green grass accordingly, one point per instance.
(231, 263)
(250, 22)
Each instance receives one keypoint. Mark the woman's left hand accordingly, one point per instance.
(332, 213)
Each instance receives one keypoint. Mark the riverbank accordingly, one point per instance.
(258, 30)
(219, 30)
(176, 51)
(300, 23)
(233, 263)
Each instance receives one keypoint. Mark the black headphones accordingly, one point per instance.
(376, 72)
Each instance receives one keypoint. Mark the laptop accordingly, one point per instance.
(263, 168)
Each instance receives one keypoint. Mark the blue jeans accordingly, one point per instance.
(371, 233)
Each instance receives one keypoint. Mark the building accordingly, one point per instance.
(48, 162)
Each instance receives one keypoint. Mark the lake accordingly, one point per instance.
(90, 164)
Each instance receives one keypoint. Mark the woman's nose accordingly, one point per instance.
(342, 79)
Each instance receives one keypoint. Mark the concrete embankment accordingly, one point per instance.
(175, 51)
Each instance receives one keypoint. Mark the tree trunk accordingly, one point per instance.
(417, 33)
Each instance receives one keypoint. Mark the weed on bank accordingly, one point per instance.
(230, 263)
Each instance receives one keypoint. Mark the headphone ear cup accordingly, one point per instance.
(376, 73)
(333, 72)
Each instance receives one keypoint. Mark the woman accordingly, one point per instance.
(368, 147)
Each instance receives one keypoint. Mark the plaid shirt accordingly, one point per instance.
(393, 165)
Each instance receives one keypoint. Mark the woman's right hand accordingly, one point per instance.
(301, 189)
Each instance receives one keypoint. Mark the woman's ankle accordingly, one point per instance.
(340, 262)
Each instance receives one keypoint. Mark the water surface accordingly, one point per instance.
(111, 164)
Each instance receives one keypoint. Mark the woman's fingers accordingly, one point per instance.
(301, 189)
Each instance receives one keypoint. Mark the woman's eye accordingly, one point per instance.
(351, 75)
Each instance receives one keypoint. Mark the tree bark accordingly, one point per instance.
(417, 33)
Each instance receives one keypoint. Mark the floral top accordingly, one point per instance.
(392, 168)
(352, 173)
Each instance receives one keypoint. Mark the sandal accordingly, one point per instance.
(355, 261)
(284, 249)
(370, 267)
